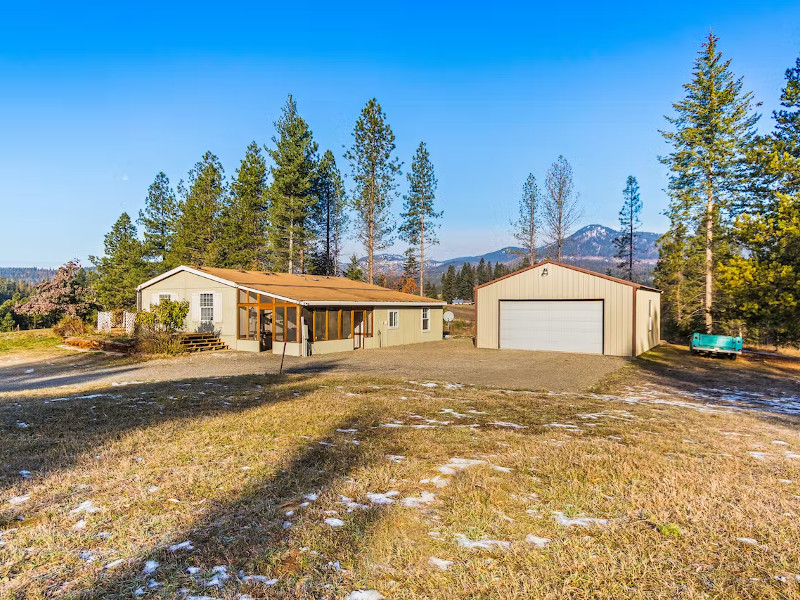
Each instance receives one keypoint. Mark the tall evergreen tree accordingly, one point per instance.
(500, 270)
(291, 194)
(374, 170)
(714, 126)
(241, 239)
(561, 205)
(419, 217)
(466, 282)
(449, 285)
(765, 282)
(629, 222)
(480, 272)
(330, 215)
(527, 223)
(200, 205)
(430, 290)
(122, 267)
(158, 221)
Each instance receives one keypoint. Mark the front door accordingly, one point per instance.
(265, 333)
(358, 329)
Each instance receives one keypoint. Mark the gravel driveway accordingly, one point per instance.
(454, 360)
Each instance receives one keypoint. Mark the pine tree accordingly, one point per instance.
(158, 221)
(449, 285)
(480, 272)
(241, 238)
(561, 205)
(8, 323)
(408, 281)
(466, 282)
(330, 215)
(527, 223)
(291, 194)
(765, 282)
(374, 170)
(200, 205)
(500, 270)
(353, 270)
(489, 272)
(419, 217)
(430, 290)
(625, 243)
(714, 128)
(122, 267)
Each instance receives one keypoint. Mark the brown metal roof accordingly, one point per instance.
(313, 288)
(574, 268)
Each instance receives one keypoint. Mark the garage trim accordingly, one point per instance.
(601, 300)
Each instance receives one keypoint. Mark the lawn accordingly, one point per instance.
(32, 340)
(318, 486)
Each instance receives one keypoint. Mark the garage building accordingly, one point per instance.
(557, 307)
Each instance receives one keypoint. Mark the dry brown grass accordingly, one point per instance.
(231, 456)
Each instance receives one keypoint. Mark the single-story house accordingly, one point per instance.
(260, 311)
(558, 307)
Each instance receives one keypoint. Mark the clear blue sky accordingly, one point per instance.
(94, 101)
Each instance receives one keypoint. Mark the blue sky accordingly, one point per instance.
(96, 100)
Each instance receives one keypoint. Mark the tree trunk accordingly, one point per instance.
(709, 263)
(291, 246)
(421, 254)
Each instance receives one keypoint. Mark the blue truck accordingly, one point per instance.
(705, 343)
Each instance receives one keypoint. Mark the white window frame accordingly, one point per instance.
(396, 320)
(426, 316)
(207, 307)
(164, 296)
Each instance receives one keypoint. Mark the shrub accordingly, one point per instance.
(70, 327)
(156, 328)
(155, 341)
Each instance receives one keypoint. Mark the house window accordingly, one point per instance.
(369, 318)
(347, 325)
(649, 315)
(333, 324)
(426, 319)
(206, 307)
(394, 319)
(166, 296)
(319, 324)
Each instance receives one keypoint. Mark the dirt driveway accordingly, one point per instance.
(453, 360)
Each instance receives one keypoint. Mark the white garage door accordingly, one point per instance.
(557, 325)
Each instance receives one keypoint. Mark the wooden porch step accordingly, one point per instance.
(202, 342)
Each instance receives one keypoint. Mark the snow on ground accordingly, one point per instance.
(365, 595)
(535, 540)
(439, 563)
(484, 544)
(560, 518)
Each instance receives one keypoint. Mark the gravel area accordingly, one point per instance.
(454, 360)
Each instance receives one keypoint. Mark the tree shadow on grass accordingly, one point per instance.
(764, 387)
(45, 434)
(247, 533)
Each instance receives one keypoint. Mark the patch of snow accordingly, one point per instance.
(365, 595)
(312, 497)
(25, 474)
(287, 524)
(562, 519)
(539, 542)
(334, 522)
(79, 525)
(747, 541)
(22, 425)
(780, 442)
(483, 544)
(187, 545)
(508, 425)
(459, 464)
(193, 570)
(347, 430)
(787, 481)
(423, 499)
(149, 567)
(395, 458)
(439, 563)
(114, 563)
(16, 500)
(28, 371)
(88, 507)
(220, 576)
(386, 498)
(502, 469)
(259, 579)
(758, 455)
(450, 411)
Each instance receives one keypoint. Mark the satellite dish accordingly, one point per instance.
(448, 316)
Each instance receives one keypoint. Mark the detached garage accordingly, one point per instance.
(561, 308)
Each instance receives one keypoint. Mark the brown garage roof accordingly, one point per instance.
(304, 288)
(574, 268)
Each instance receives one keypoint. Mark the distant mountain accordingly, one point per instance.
(32, 275)
(591, 247)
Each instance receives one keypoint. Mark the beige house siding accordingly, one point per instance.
(182, 285)
(648, 334)
(560, 283)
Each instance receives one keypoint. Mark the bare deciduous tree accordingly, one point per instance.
(561, 207)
